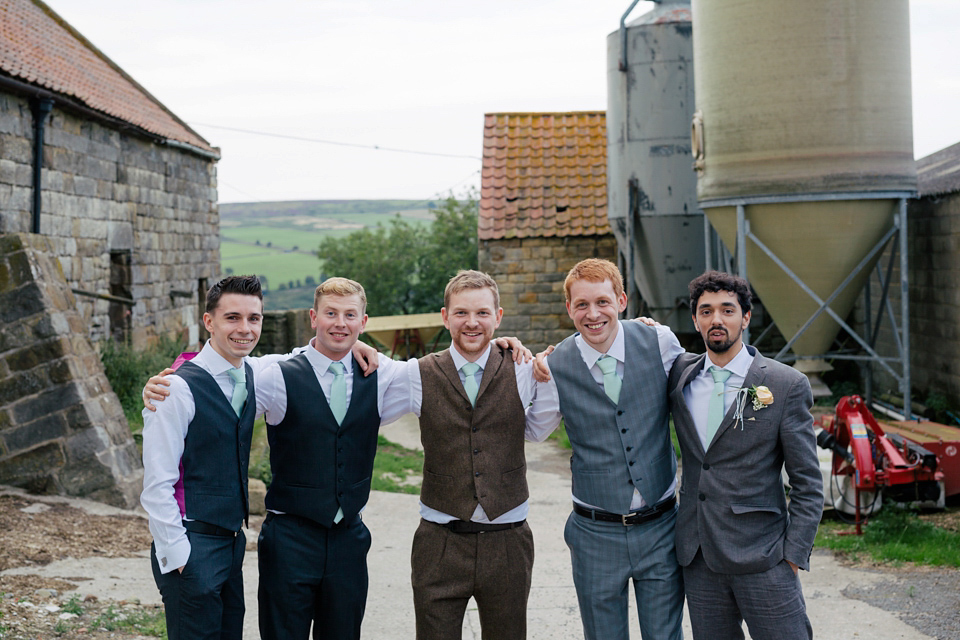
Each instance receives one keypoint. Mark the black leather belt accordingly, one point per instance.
(463, 526)
(208, 529)
(637, 517)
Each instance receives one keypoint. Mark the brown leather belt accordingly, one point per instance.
(627, 519)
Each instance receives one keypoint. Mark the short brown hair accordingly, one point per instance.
(470, 279)
(340, 287)
(594, 270)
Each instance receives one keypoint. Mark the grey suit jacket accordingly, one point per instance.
(732, 503)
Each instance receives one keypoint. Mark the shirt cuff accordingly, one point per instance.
(174, 556)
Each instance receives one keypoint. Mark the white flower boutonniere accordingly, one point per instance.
(761, 397)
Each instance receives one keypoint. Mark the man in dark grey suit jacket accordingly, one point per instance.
(740, 418)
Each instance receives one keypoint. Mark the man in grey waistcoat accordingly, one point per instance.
(740, 419)
(609, 384)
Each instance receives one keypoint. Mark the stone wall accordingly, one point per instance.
(934, 286)
(62, 429)
(124, 215)
(530, 273)
(284, 331)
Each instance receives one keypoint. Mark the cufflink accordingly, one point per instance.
(163, 562)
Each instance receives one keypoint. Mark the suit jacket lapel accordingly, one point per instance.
(754, 378)
(682, 419)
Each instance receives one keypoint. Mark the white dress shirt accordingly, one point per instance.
(543, 425)
(527, 388)
(697, 393)
(163, 434)
(393, 385)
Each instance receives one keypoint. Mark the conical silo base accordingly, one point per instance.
(822, 243)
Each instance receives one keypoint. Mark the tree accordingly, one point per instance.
(403, 267)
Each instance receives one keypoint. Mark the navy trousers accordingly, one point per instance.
(312, 574)
(205, 602)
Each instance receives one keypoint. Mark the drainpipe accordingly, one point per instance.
(41, 108)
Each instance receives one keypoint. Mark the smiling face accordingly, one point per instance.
(234, 326)
(471, 317)
(594, 308)
(339, 321)
(721, 321)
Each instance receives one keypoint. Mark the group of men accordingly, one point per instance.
(733, 545)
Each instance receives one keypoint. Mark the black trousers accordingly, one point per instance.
(205, 602)
(312, 574)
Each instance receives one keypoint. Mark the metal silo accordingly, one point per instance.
(651, 192)
(804, 149)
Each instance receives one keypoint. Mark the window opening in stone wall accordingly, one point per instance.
(121, 315)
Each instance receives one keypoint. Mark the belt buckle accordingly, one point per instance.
(623, 519)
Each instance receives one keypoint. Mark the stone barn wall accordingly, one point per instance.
(530, 273)
(62, 429)
(125, 216)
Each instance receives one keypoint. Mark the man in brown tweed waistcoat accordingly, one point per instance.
(473, 539)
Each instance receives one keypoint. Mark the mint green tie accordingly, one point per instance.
(338, 405)
(611, 381)
(338, 391)
(715, 408)
(470, 381)
(239, 377)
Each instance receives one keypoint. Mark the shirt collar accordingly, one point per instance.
(739, 366)
(459, 360)
(215, 363)
(590, 355)
(321, 362)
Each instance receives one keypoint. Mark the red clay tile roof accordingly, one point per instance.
(544, 174)
(37, 46)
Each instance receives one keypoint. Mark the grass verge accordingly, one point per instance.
(397, 468)
(893, 536)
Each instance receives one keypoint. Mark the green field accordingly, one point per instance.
(293, 231)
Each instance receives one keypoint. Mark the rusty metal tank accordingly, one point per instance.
(652, 202)
(803, 117)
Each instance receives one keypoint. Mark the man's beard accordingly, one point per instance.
(723, 346)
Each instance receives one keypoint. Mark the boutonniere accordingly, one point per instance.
(761, 397)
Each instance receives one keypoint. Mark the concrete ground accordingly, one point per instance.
(552, 613)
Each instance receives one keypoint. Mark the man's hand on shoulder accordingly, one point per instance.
(650, 322)
(154, 390)
(520, 353)
(367, 356)
(541, 373)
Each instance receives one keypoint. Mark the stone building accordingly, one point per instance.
(934, 282)
(543, 208)
(123, 189)
(108, 229)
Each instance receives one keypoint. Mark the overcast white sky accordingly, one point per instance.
(406, 74)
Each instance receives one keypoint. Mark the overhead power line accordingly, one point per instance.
(374, 147)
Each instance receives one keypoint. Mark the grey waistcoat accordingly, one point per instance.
(617, 448)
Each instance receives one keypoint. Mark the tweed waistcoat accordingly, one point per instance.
(319, 466)
(216, 451)
(617, 448)
(472, 454)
